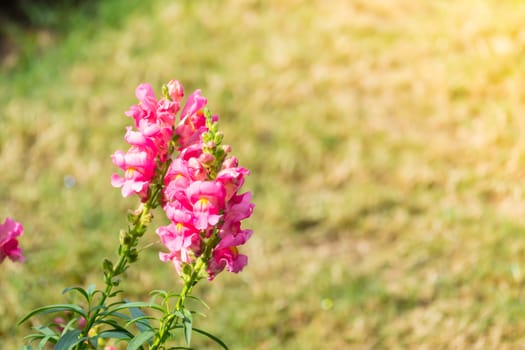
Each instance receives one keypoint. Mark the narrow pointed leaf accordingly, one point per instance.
(137, 304)
(76, 289)
(54, 308)
(91, 289)
(46, 331)
(179, 314)
(115, 334)
(140, 319)
(43, 343)
(212, 337)
(199, 300)
(187, 325)
(142, 323)
(68, 340)
(117, 327)
(140, 339)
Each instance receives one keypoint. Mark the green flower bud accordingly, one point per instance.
(107, 265)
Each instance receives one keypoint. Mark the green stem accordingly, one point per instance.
(168, 320)
(138, 227)
(127, 249)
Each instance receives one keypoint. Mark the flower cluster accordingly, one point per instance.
(154, 120)
(9, 231)
(201, 200)
(200, 188)
(205, 210)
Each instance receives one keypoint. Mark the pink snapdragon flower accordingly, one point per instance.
(206, 201)
(9, 231)
(239, 207)
(232, 179)
(154, 122)
(182, 240)
(139, 168)
(228, 258)
(200, 189)
(150, 111)
(193, 121)
(156, 126)
(176, 181)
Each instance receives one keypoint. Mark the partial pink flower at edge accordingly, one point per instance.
(9, 231)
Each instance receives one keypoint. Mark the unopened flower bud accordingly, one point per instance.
(139, 209)
(60, 323)
(226, 148)
(146, 219)
(206, 159)
(81, 322)
(175, 90)
(230, 162)
(218, 138)
(107, 265)
(133, 256)
(59, 320)
(123, 238)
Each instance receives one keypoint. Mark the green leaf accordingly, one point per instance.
(140, 318)
(160, 292)
(46, 331)
(179, 314)
(187, 325)
(142, 322)
(32, 337)
(115, 334)
(114, 324)
(76, 289)
(140, 339)
(119, 302)
(101, 307)
(44, 342)
(115, 293)
(199, 300)
(69, 326)
(91, 289)
(212, 337)
(135, 305)
(118, 315)
(53, 308)
(116, 328)
(45, 336)
(69, 339)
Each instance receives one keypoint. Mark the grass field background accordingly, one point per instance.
(385, 140)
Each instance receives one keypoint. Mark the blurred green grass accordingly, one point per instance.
(385, 145)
